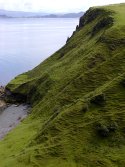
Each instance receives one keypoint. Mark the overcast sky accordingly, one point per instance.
(53, 5)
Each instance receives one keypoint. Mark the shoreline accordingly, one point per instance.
(10, 114)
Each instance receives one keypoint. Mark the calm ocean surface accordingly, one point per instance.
(24, 43)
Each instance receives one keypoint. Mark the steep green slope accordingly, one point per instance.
(78, 98)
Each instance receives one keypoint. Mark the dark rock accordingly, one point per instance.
(122, 82)
(67, 39)
(19, 118)
(85, 108)
(104, 23)
(103, 131)
(91, 15)
(98, 100)
(77, 27)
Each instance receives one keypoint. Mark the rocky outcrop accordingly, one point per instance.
(2, 96)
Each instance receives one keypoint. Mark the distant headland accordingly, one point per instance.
(21, 14)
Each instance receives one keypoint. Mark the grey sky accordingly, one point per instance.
(53, 5)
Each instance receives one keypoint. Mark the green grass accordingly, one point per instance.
(78, 99)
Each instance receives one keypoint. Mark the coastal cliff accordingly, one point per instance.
(78, 100)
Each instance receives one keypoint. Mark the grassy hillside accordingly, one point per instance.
(78, 99)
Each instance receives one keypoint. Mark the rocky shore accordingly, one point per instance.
(10, 117)
(10, 114)
(2, 96)
(2, 90)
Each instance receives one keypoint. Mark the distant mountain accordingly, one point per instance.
(67, 15)
(3, 16)
(6, 13)
(20, 14)
(73, 15)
